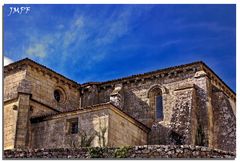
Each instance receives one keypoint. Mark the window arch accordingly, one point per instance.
(59, 95)
(156, 102)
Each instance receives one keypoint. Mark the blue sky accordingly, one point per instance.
(103, 42)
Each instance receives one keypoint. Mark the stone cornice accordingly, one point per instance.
(41, 69)
(217, 81)
(162, 73)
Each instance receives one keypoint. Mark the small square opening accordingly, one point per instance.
(72, 126)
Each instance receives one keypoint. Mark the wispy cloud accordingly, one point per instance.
(83, 39)
(74, 32)
(170, 42)
(38, 50)
(115, 29)
(87, 40)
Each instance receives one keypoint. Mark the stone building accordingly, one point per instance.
(182, 105)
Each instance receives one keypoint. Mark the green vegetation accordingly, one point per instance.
(121, 152)
(96, 152)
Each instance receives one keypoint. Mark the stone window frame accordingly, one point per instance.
(62, 92)
(70, 123)
(152, 93)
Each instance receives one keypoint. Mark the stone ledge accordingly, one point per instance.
(136, 152)
(185, 86)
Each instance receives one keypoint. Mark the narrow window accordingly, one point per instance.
(74, 127)
(159, 107)
(156, 103)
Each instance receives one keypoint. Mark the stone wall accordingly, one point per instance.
(137, 152)
(204, 109)
(42, 91)
(136, 102)
(10, 121)
(54, 131)
(108, 126)
(12, 81)
(195, 114)
(187, 115)
(21, 139)
(183, 121)
(38, 109)
(124, 132)
(32, 90)
(224, 122)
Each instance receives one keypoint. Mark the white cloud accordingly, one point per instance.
(7, 61)
(37, 49)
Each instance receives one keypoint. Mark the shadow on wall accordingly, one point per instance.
(202, 118)
(164, 136)
(144, 112)
(159, 134)
(224, 122)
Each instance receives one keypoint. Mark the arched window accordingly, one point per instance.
(156, 102)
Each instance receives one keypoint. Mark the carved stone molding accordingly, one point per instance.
(163, 89)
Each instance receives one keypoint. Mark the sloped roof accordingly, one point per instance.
(25, 61)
